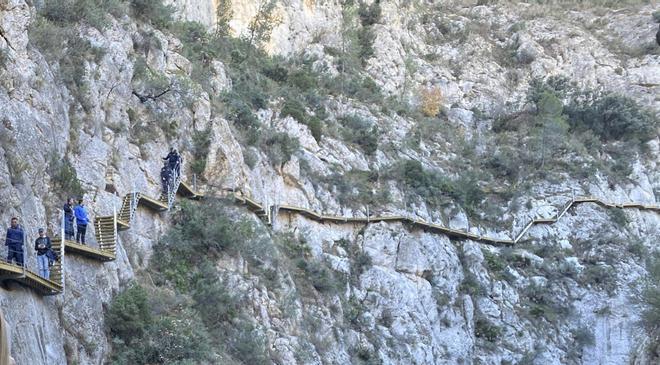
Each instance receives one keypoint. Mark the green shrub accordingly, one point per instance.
(618, 216)
(206, 228)
(91, 12)
(363, 355)
(505, 162)
(141, 337)
(369, 14)
(279, 146)
(361, 132)
(275, 71)
(129, 314)
(302, 79)
(296, 110)
(483, 328)
(321, 278)
(356, 188)
(543, 304)
(366, 39)
(471, 285)
(558, 86)
(64, 176)
(637, 248)
(434, 188)
(195, 310)
(426, 183)
(583, 336)
(62, 45)
(353, 310)
(361, 262)
(614, 117)
(210, 292)
(599, 276)
(247, 345)
(153, 11)
(201, 145)
(495, 263)
(241, 113)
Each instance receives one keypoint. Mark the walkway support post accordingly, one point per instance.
(62, 244)
(114, 220)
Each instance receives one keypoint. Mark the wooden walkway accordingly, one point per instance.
(27, 277)
(107, 227)
(105, 231)
(265, 212)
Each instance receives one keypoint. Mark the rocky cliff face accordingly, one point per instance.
(568, 295)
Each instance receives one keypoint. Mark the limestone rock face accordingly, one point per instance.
(424, 299)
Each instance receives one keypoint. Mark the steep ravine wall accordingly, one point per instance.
(417, 312)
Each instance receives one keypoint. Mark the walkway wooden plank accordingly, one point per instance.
(91, 252)
(152, 203)
(29, 278)
(461, 234)
(188, 191)
(122, 225)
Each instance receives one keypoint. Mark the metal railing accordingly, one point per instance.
(133, 203)
(172, 187)
(29, 256)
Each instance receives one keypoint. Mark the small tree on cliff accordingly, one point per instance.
(224, 13)
(262, 25)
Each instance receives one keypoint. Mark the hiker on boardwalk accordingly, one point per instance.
(68, 219)
(165, 175)
(81, 220)
(14, 242)
(173, 161)
(42, 245)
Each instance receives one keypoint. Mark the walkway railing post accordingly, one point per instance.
(24, 249)
(114, 214)
(62, 253)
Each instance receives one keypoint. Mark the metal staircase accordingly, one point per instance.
(169, 196)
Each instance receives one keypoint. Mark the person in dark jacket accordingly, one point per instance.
(68, 219)
(14, 242)
(81, 221)
(170, 159)
(165, 179)
(173, 161)
(42, 245)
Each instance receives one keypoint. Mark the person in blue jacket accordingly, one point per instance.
(14, 242)
(81, 221)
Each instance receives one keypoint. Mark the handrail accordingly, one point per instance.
(465, 234)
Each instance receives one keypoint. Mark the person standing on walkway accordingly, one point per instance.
(68, 219)
(42, 245)
(81, 221)
(173, 161)
(165, 180)
(14, 242)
